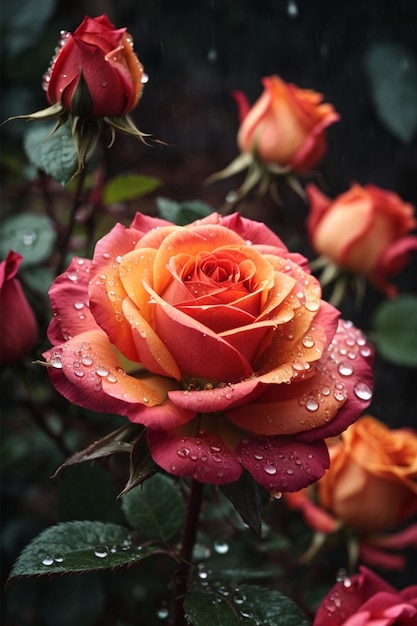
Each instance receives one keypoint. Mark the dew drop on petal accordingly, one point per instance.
(183, 452)
(270, 469)
(362, 391)
(345, 369)
(312, 405)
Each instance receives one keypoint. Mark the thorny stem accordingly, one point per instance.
(71, 223)
(188, 538)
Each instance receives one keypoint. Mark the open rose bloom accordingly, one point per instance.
(215, 338)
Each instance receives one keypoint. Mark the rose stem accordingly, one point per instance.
(70, 227)
(189, 533)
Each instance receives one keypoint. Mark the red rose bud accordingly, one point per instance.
(18, 326)
(95, 72)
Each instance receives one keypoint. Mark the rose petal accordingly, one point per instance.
(283, 463)
(145, 223)
(217, 399)
(79, 367)
(210, 357)
(151, 351)
(182, 240)
(349, 358)
(70, 302)
(204, 456)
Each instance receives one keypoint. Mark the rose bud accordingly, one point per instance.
(364, 230)
(286, 125)
(192, 331)
(371, 484)
(95, 72)
(18, 326)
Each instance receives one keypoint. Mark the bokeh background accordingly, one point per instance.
(361, 54)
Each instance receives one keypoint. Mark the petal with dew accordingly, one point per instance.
(204, 456)
(70, 302)
(283, 463)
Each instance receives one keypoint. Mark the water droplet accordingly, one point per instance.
(362, 391)
(276, 495)
(312, 405)
(312, 305)
(59, 559)
(162, 613)
(144, 79)
(366, 351)
(79, 373)
(104, 83)
(101, 552)
(47, 560)
(239, 598)
(231, 197)
(345, 369)
(308, 341)
(56, 361)
(202, 571)
(183, 452)
(87, 360)
(111, 378)
(78, 306)
(290, 471)
(221, 547)
(102, 371)
(270, 469)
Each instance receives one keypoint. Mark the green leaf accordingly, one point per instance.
(128, 187)
(156, 508)
(392, 71)
(246, 605)
(88, 493)
(245, 497)
(182, 213)
(78, 546)
(30, 235)
(202, 609)
(395, 330)
(54, 154)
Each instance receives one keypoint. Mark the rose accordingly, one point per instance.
(370, 485)
(95, 72)
(286, 125)
(365, 231)
(366, 600)
(18, 326)
(215, 338)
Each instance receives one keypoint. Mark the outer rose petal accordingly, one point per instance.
(283, 463)
(350, 598)
(70, 303)
(205, 457)
(350, 357)
(106, 291)
(217, 399)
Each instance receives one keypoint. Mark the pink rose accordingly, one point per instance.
(18, 326)
(213, 336)
(367, 600)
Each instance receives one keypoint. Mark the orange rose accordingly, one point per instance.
(213, 336)
(364, 231)
(286, 126)
(370, 485)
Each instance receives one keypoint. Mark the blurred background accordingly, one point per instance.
(361, 55)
